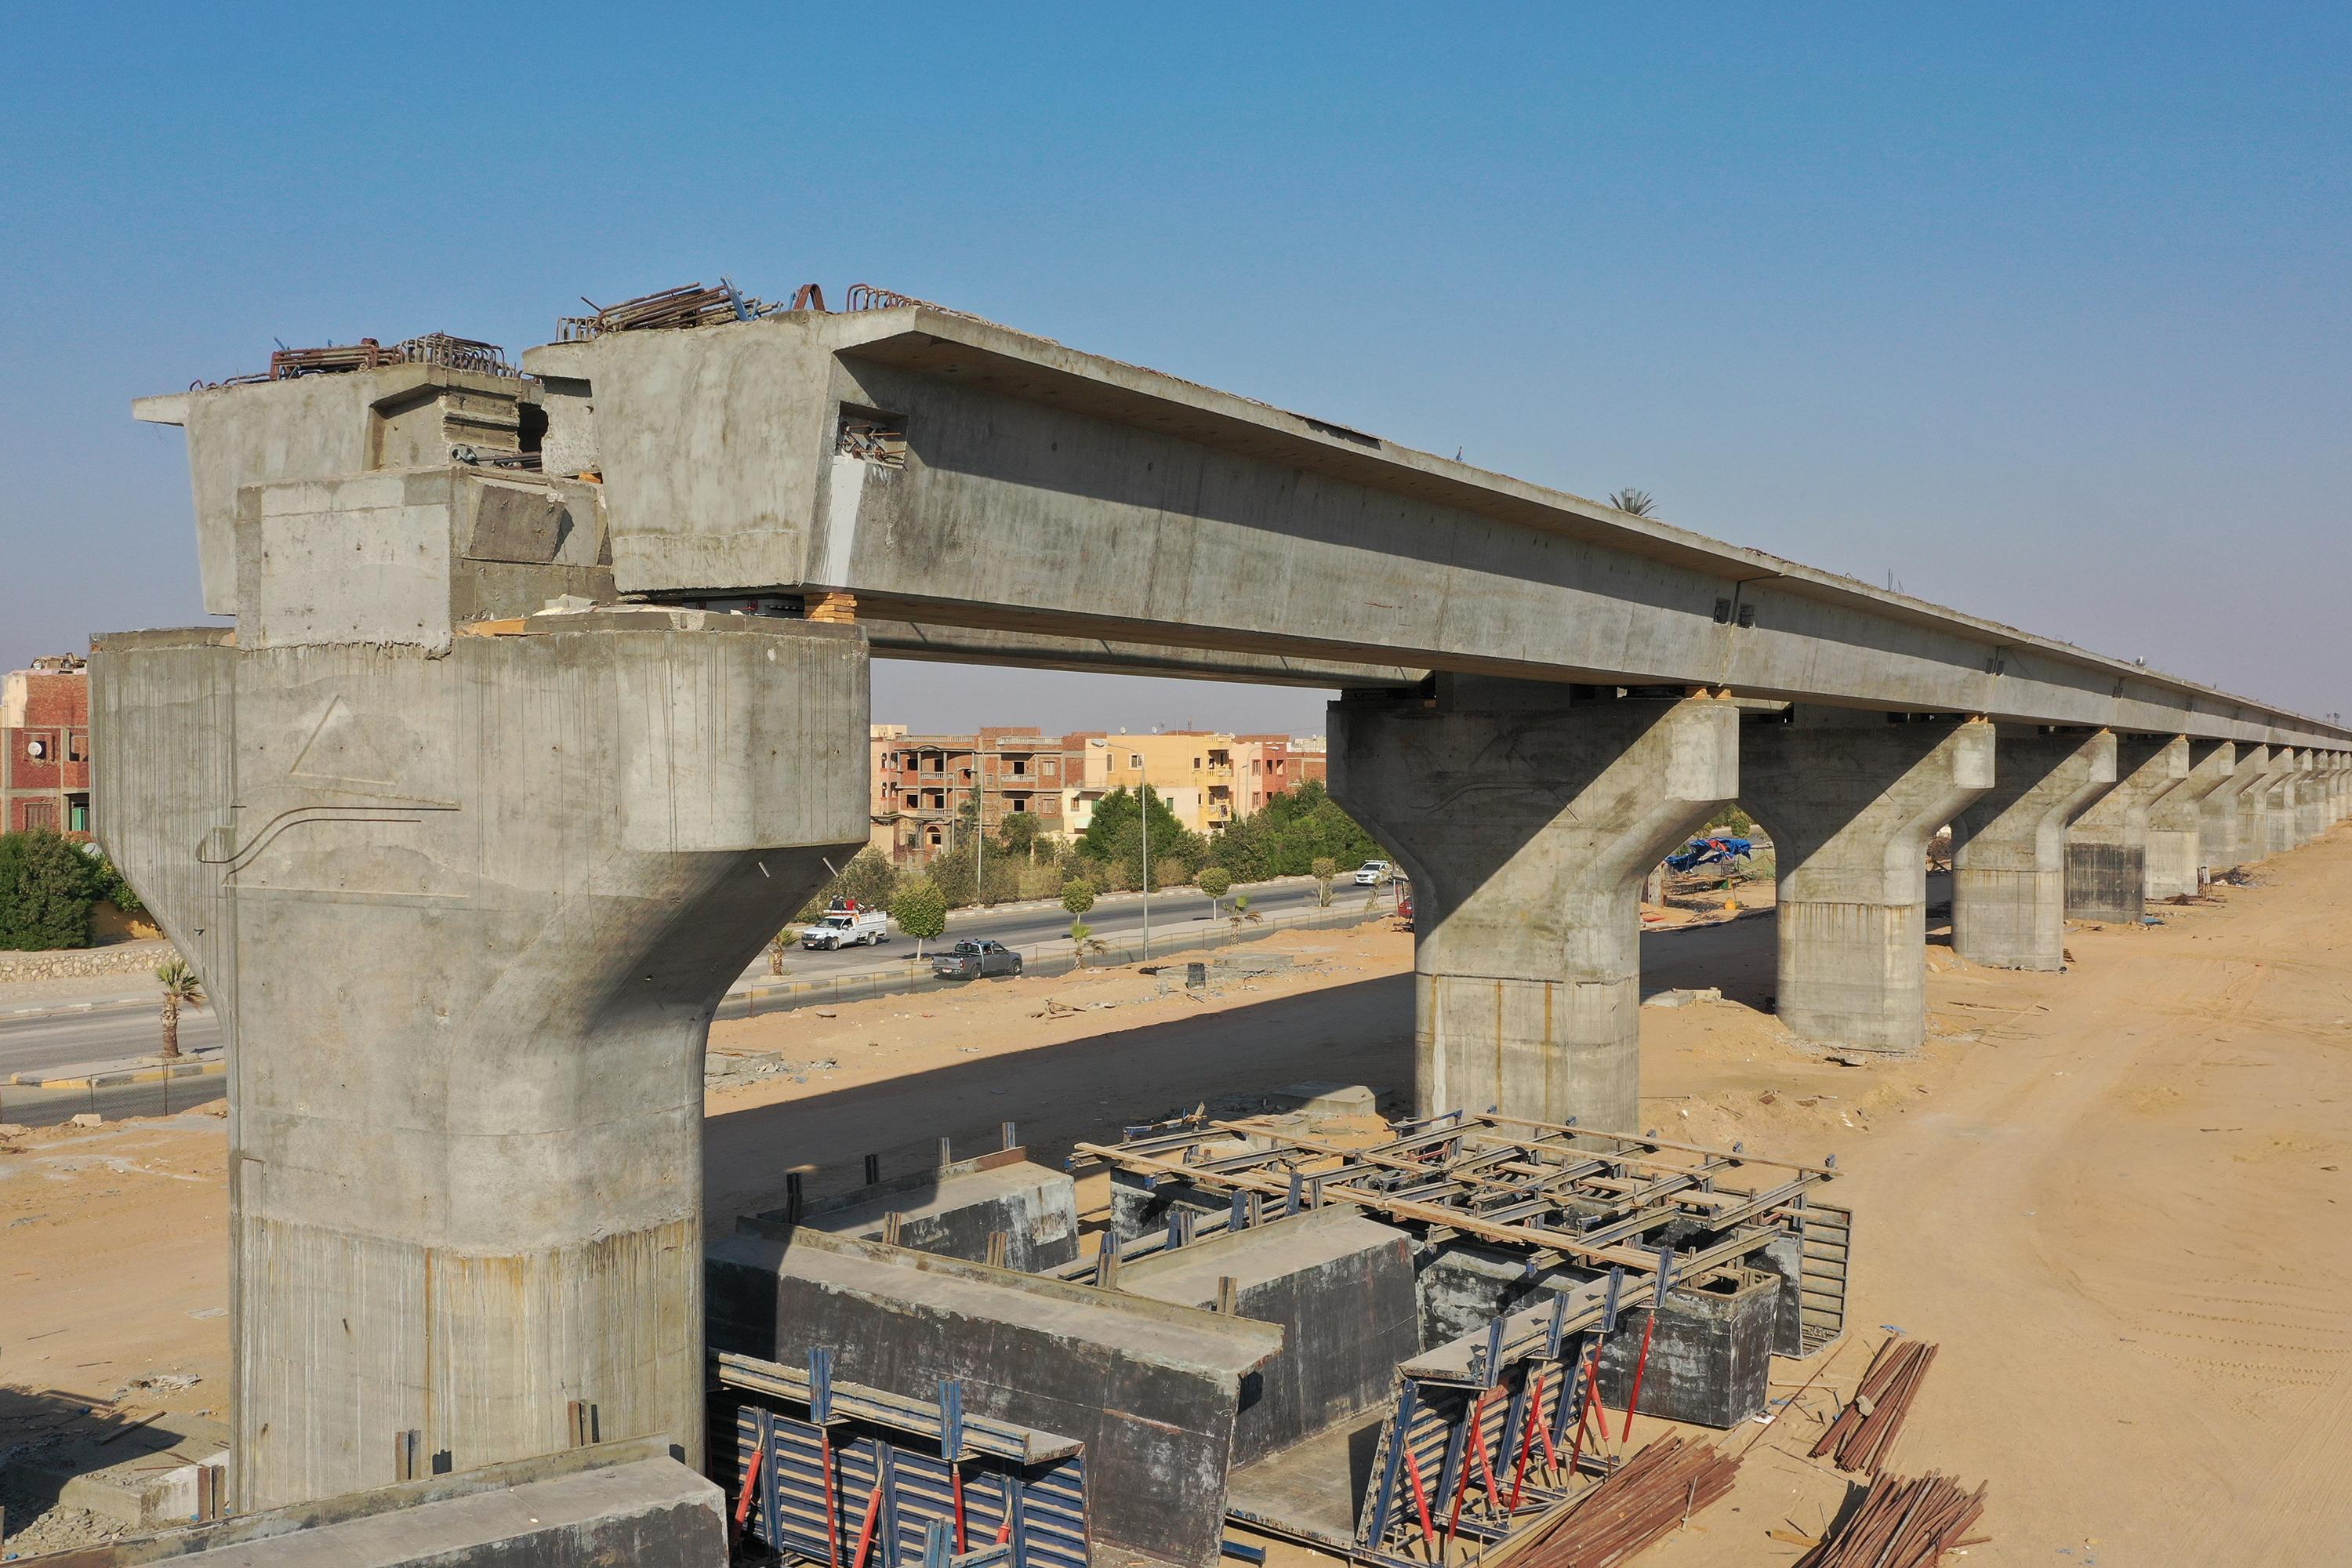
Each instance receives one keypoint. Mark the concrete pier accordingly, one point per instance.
(465, 916)
(1528, 823)
(2282, 821)
(2221, 836)
(2311, 815)
(2008, 848)
(2178, 859)
(1850, 800)
(2106, 848)
(2254, 806)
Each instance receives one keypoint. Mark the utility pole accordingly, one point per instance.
(978, 822)
(1143, 773)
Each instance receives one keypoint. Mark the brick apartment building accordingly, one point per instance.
(45, 747)
(922, 785)
(1268, 765)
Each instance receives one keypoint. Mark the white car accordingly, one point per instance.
(847, 928)
(1372, 873)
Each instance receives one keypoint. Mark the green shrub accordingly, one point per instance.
(46, 887)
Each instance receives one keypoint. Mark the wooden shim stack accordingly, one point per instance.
(1901, 1524)
(1648, 1497)
(1868, 1426)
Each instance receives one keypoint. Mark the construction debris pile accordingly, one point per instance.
(689, 305)
(1378, 1339)
(336, 359)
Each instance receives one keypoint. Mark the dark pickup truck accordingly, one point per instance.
(976, 961)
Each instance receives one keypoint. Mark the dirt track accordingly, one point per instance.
(2115, 1196)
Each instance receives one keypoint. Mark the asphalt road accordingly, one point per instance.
(111, 1028)
(103, 1031)
(1114, 915)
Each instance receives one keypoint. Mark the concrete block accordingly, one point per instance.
(619, 1503)
(144, 1476)
(1154, 1391)
(1315, 1099)
(1710, 1357)
(1340, 1287)
(951, 1212)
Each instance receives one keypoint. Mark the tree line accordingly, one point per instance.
(1302, 832)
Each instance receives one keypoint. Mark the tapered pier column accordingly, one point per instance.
(2311, 818)
(2008, 848)
(2177, 856)
(2106, 850)
(466, 915)
(2222, 838)
(2281, 808)
(2254, 806)
(1850, 801)
(1528, 823)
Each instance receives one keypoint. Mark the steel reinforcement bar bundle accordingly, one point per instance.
(1648, 1497)
(1901, 1524)
(1866, 1428)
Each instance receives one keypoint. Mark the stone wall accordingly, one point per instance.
(77, 963)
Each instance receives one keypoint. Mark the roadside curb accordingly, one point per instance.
(106, 1075)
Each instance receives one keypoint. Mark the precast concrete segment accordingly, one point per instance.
(465, 916)
(2177, 860)
(2106, 848)
(2221, 838)
(1528, 824)
(1850, 801)
(2008, 847)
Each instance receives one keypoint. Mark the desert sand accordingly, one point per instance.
(2115, 1196)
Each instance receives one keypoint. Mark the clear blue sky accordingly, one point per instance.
(2041, 308)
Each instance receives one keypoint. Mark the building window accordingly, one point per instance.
(1020, 766)
(1135, 759)
(1019, 804)
(39, 814)
(77, 816)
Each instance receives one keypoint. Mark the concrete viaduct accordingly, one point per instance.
(506, 771)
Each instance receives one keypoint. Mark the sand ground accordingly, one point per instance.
(2116, 1196)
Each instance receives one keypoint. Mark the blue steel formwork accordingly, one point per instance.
(831, 1454)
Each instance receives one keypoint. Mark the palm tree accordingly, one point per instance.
(182, 988)
(1638, 502)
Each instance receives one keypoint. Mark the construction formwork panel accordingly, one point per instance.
(1037, 1511)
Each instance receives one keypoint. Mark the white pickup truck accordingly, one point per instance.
(847, 928)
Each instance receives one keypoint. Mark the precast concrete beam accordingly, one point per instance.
(466, 915)
(1850, 801)
(2177, 861)
(1527, 824)
(2106, 848)
(2009, 846)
